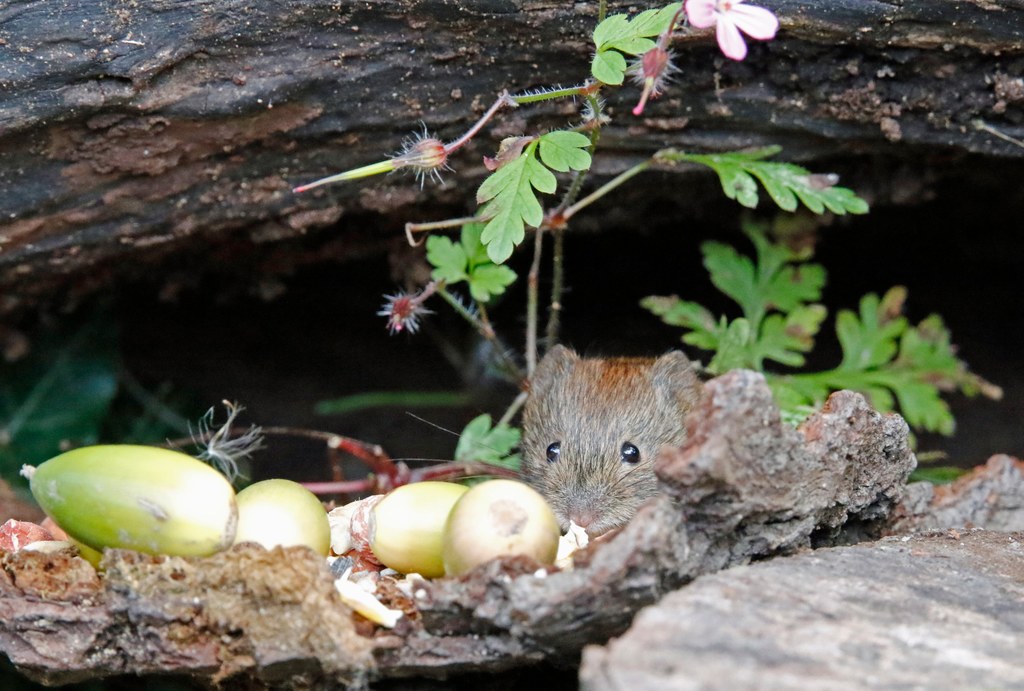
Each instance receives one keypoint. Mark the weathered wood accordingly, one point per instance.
(129, 132)
(939, 610)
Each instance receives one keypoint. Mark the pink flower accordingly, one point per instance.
(730, 17)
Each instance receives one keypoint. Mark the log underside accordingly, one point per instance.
(134, 133)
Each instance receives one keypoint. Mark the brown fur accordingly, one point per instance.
(593, 406)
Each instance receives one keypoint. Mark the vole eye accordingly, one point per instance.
(554, 451)
(629, 453)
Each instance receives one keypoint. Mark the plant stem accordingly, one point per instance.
(513, 409)
(503, 100)
(557, 288)
(484, 328)
(581, 175)
(362, 172)
(606, 188)
(466, 314)
(411, 228)
(532, 282)
(550, 95)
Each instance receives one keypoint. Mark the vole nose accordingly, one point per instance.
(583, 519)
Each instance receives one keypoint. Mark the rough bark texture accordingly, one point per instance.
(272, 618)
(134, 131)
(726, 502)
(745, 487)
(933, 611)
(991, 496)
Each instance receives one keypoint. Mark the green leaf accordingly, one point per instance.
(883, 357)
(449, 259)
(871, 340)
(609, 67)
(476, 252)
(653, 22)
(369, 400)
(58, 395)
(922, 407)
(510, 202)
(733, 274)
(733, 348)
(564, 151)
(776, 282)
(783, 339)
(690, 315)
(489, 280)
(618, 34)
(786, 183)
(481, 441)
(612, 27)
(467, 260)
(937, 475)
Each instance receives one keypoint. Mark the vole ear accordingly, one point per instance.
(553, 368)
(675, 379)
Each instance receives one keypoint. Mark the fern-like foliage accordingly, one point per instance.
(895, 364)
(787, 184)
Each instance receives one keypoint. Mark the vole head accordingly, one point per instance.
(593, 427)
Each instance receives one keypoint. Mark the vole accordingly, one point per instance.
(592, 428)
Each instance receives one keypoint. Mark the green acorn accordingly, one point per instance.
(143, 498)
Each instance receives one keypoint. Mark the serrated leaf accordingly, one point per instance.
(481, 441)
(564, 151)
(733, 347)
(467, 260)
(892, 364)
(489, 280)
(869, 341)
(448, 259)
(618, 28)
(784, 338)
(731, 272)
(921, 405)
(690, 315)
(653, 22)
(785, 182)
(511, 204)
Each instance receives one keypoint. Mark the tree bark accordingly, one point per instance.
(134, 132)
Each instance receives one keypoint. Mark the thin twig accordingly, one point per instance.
(411, 228)
(532, 282)
(513, 409)
(485, 329)
(557, 288)
(606, 188)
(503, 100)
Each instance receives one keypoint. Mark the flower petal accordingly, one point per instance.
(756, 22)
(729, 39)
(701, 13)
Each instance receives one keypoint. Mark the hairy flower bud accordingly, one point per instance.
(425, 155)
(652, 72)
